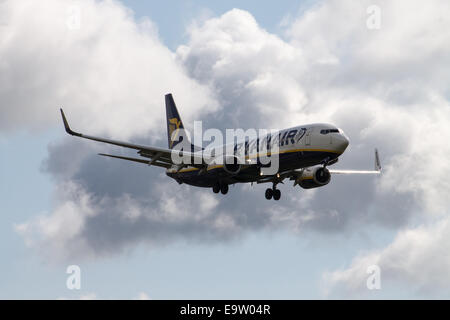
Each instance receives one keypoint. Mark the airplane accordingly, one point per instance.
(304, 154)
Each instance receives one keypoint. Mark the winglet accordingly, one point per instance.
(66, 125)
(377, 161)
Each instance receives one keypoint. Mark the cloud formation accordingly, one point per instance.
(417, 257)
(94, 59)
(385, 88)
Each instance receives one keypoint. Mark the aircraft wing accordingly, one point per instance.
(158, 156)
(148, 162)
(377, 169)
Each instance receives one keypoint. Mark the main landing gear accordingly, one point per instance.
(220, 187)
(273, 193)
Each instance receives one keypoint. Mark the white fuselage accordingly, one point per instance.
(304, 139)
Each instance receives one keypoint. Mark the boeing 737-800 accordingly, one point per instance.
(303, 155)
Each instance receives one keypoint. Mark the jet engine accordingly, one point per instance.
(232, 165)
(313, 177)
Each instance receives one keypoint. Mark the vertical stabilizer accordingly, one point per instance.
(174, 123)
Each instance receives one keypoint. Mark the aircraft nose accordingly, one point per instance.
(342, 143)
(345, 142)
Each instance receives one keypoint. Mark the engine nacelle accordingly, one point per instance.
(232, 165)
(314, 177)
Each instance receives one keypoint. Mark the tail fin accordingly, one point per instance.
(174, 123)
(175, 129)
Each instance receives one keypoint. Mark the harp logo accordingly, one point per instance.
(174, 128)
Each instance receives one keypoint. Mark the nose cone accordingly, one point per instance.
(342, 143)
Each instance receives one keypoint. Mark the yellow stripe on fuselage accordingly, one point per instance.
(261, 155)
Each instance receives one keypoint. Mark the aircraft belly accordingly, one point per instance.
(287, 161)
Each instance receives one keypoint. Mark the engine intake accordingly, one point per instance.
(314, 177)
(232, 165)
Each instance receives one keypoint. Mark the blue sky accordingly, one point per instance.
(267, 262)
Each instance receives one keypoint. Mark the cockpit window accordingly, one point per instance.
(327, 131)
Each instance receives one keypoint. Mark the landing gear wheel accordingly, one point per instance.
(276, 194)
(224, 188)
(216, 188)
(269, 194)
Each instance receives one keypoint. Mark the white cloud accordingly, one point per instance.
(417, 259)
(111, 68)
(57, 235)
(251, 69)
